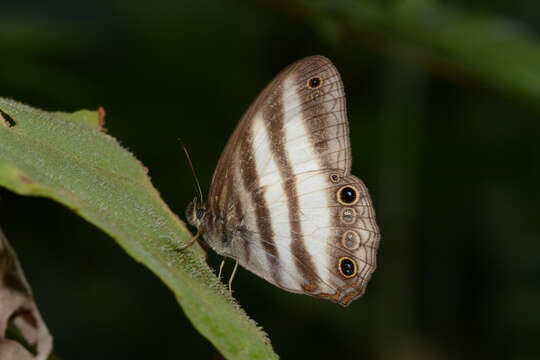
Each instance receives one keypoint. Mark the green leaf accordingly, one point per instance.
(70, 159)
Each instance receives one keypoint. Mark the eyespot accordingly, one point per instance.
(348, 215)
(347, 267)
(314, 82)
(335, 178)
(350, 240)
(347, 195)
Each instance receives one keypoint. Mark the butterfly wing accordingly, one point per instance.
(278, 198)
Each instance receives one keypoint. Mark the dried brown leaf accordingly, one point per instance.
(18, 307)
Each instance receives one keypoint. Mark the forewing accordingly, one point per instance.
(288, 100)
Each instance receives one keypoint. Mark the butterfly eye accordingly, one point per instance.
(314, 82)
(347, 267)
(347, 195)
(200, 214)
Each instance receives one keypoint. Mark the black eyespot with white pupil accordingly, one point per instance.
(347, 195)
(314, 82)
(347, 267)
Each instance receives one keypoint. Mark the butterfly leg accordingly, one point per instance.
(221, 267)
(232, 277)
(191, 242)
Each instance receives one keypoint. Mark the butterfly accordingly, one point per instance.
(282, 201)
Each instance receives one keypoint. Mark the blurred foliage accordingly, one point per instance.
(69, 158)
(443, 108)
(474, 45)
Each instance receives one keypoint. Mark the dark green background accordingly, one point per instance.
(451, 160)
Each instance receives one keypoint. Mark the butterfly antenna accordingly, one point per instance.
(192, 169)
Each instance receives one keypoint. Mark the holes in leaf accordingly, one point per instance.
(8, 120)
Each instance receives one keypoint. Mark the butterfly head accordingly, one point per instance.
(195, 212)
